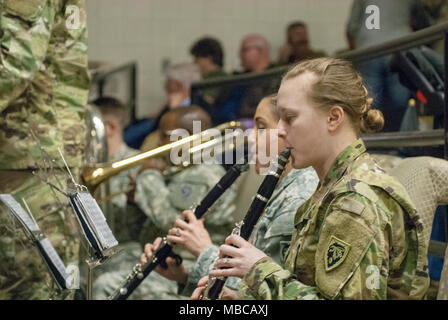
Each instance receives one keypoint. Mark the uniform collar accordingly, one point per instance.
(342, 161)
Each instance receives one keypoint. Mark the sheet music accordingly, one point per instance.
(19, 212)
(97, 220)
(57, 263)
(46, 250)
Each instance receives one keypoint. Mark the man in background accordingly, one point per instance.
(255, 58)
(209, 56)
(254, 54)
(179, 78)
(297, 46)
(114, 115)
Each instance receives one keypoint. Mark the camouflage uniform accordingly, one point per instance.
(357, 237)
(163, 199)
(273, 232)
(43, 89)
(119, 205)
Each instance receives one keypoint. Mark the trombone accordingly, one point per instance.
(96, 174)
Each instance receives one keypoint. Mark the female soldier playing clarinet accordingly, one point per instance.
(273, 232)
(359, 235)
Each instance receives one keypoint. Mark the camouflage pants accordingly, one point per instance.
(154, 287)
(23, 274)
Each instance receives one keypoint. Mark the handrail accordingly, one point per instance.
(405, 139)
(414, 39)
(236, 79)
(109, 71)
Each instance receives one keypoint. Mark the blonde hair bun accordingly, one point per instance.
(372, 121)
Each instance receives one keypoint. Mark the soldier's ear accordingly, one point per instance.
(335, 117)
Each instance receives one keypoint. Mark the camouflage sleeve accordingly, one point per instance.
(24, 37)
(351, 261)
(352, 256)
(152, 195)
(268, 281)
(201, 268)
(277, 238)
(204, 264)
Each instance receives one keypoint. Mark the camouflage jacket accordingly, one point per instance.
(273, 232)
(121, 181)
(163, 199)
(123, 216)
(44, 81)
(357, 237)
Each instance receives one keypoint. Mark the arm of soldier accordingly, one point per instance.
(25, 32)
(153, 197)
(201, 268)
(352, 255)
(277, 239)
(263, 278)
(346, 255)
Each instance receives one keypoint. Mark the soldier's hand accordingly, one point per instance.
(173, 271)
(201, 286)
(190, 235)
(237, 256)
(226, 293)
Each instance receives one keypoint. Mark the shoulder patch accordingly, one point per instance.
(186, 190)
(337, 251)
(184, 194)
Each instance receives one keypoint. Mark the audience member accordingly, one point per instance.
(179, 78)
(254, 54)
(389, 95)
(297, 46)
(209, 56)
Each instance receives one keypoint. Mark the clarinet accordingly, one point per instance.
(139, 272)
(244, 229)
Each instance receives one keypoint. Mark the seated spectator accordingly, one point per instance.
(179, 78)
(254, 54)
(255, 58)
(297, 46)
(209, 56)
